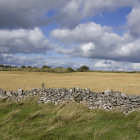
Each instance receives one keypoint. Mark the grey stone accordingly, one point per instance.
(107, 92)
(108, 100)
(124, 96)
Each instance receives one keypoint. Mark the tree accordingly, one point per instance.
(29, 67)
(8, 66)
(1, 65)
(83, 69)
(69, 69)
(45, 66)
(23, 67)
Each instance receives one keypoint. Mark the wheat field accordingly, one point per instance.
(125, 82)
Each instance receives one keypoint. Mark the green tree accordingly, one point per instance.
(83, 69)
(69, 69)
(23, 67)
(29, 67)
(45, 66)
(1, 65)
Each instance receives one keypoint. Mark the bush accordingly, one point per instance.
(23, 67)
(69, 69)
(45, 67)
(83, 69)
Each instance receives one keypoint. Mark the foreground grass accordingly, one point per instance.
(96, 81)
(29, 120)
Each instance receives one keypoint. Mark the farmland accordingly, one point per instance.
(96, 81)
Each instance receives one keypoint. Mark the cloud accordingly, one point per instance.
(67, 13)
(109, 65)
(105, 44)
(19, 33)
(12, 59)
(136, 66)
(18, 60)
(92, 7)
(23, 41)
(26, 13)
(38, 60)
(133, 20)
(76, 10)
(113, 65)
(81, 33)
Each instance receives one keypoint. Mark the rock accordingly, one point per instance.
(20, 91)
(78, 98)
(124, 96)
(108, 100)
(9, 93)
(2, 91)
(3, 94)
(87, 90)
(107, 92)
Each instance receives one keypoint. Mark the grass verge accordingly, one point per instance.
(29, 120)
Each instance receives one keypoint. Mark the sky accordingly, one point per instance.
(101, 34)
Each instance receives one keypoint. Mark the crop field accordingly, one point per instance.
(125, 82)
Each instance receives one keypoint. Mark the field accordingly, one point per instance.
(29, 120)
(96, 81)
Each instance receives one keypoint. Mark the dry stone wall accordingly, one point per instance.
(108, 100)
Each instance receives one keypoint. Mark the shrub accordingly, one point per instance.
(69, 69)
(83, 69)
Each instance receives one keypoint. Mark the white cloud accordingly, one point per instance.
(68, 13)
(133, 20)
(23, 41)
(136, 66)
(76, 10)
(113, 65)
(88, 47)
(108, 65)
(92, 6)
(105, 44)
(27, 13)
(90, 40)
(81, 33)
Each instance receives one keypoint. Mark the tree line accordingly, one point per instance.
(44, 68)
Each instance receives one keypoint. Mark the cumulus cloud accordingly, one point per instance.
(133, 20)
(76, 10)
(93, 7)
(18, 32)
(109, 65)
(23, 41)
(19, 60)
(113, 65)
(99, 42)
(81, 33)
(136, 66)
(28, 14)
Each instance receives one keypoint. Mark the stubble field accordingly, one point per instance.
(96, 81)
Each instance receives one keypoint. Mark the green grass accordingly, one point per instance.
(29, 120)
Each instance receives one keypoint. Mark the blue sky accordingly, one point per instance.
(101, 34)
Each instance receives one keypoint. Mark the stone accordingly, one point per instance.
(2, 91)
(20, 91)
(107, 92)
(3, 94)
(8, 93)
(108, 100)
(124, 96)
(87, 90)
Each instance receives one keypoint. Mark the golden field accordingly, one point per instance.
(96, 81)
